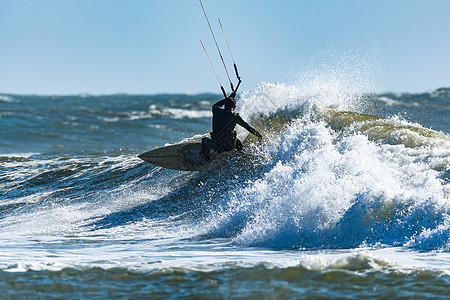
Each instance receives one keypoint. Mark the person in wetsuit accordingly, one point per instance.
(223, 135)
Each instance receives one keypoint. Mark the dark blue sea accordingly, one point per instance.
(348, 197)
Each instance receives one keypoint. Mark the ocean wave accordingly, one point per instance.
(155, 112)
(339, 179)
(60, 180)
(16, 156)
(320, 191)
(8, 99)
(391, 130)
(355, 275)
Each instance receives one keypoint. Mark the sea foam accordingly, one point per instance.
(324, 188)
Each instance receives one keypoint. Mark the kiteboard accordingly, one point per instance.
(185, 155)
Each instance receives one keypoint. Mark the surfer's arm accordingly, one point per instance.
(248, 127)
(219, 103)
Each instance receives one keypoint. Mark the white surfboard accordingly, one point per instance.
(184, 156)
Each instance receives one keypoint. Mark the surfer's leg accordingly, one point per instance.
(238, 145)
(206, 148)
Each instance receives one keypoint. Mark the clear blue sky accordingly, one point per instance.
(146, 46)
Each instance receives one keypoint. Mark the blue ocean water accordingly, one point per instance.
(347, 198)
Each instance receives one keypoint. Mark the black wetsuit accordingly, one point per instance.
(223, 135)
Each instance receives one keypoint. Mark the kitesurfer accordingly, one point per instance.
(223, 136)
